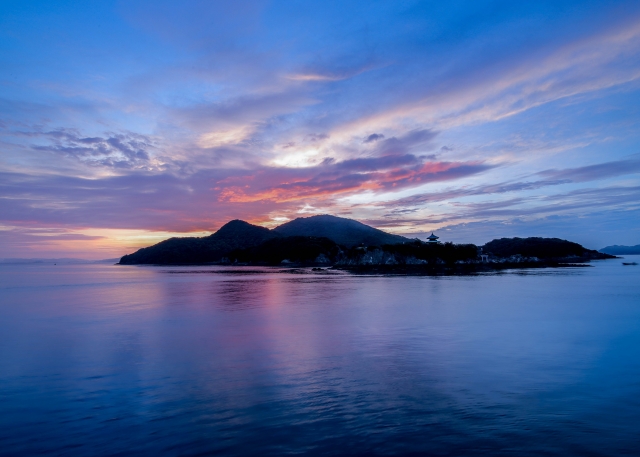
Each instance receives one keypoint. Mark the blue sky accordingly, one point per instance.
(123, 123)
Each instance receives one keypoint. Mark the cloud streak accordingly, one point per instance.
(596, 171)
(115, 151)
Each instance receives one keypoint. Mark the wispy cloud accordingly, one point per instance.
(335, 179)
(554, 177)
(596, 171)
(118, 150)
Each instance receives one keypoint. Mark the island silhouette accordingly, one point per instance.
(342, 243)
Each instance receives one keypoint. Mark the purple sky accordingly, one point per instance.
(124, 123)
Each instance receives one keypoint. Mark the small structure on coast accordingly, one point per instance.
(432, 238)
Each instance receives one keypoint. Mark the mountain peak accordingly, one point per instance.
(238, 234)
(238, 226)
(341, 230)
(235, 234)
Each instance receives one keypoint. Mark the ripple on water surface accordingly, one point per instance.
(105, 360)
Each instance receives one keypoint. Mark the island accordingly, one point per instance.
(326, 241)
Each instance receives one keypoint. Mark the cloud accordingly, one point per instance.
(418, 138)
(137, 200)
(614, 198)
(555, 177)
(206, 198)
(422, 199)
(241, 110)
(594, 229)
(373, 137)
(331, 179)
(594, 172)
(510, 79)
(118, 150)
(314, 77)
(50, 234)
(577, 205)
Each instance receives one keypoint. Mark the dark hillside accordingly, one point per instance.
(542, 248)
(343, 231)
(175, 251)
(299, 249)
(238, 234)
(330, 239)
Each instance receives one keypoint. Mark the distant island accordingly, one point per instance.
(622, 250)
(330, 241)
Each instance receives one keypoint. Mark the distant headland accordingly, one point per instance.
(621, 250)
(341, 243)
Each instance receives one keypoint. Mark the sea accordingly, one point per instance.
(108, 360)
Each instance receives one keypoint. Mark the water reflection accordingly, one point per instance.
(105, 360)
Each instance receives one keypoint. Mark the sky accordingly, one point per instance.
(123, 123)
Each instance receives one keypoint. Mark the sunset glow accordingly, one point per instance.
(125, 123)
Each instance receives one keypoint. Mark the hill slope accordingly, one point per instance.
(299, 249)
(340, 230)
(236, 234)
(542, 248)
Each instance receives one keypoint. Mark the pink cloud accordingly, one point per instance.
(350, 176)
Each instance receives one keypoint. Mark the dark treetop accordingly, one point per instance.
(542, 248)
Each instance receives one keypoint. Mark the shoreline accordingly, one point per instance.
(396, 270)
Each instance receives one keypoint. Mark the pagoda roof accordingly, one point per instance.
(432, 237)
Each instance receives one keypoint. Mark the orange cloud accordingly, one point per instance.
(283, 185)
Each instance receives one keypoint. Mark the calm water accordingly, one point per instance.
(113, 360)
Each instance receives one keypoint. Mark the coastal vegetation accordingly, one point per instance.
(290, 249)
(541, 248)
